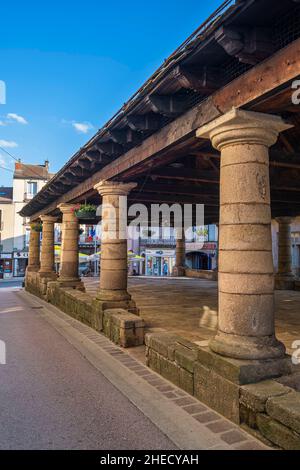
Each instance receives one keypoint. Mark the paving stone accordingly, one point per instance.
(207, 417)
(184, 401)
(193, 409)
(166, 388)
(180, 393)
(169, 395)
(142, 372)
(231, 437)
(220, 426)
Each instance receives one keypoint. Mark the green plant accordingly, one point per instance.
(85, 210)
(36, 226)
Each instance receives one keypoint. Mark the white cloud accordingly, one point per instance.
(9, 144)
(17, 118)
(2, 160)
(2, 123)
(82, 127)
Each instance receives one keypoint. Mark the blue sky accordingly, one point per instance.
(69, 66)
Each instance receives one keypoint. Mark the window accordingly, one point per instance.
(31, 188)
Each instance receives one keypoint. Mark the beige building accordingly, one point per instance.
(14, 229)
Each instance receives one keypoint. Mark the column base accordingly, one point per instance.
(247, 347)
(71, 283)
(44, 278)
(116, 299)
(218, 380)
(178, 271)
(283, 282)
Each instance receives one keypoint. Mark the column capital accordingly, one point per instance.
(66, 208)
(284, 220)
(116, 188)
(48, 218)
(243, 127)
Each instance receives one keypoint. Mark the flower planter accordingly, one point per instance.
(85, 211)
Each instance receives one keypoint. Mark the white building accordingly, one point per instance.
(14, 229)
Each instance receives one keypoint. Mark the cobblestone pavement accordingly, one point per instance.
(66, 386)
(189, 307)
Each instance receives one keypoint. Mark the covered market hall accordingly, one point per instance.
(217, 125)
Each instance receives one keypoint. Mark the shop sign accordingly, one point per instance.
(20, 254)
(5, 256)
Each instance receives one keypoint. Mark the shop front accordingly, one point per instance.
(6, 266)
(203, 258)
(159, 262)
(20, 262)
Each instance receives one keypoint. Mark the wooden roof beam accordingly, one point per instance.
(167, 105)
(249, 44)
(186, 174)
(144, 122)
(110, 148)
(125, 136)
(203, 79)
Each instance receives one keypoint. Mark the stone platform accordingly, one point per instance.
(188, 307)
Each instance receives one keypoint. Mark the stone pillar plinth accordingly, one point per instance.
(34, 249)
(47, 251)
(114, 265)
(179, 268)
(285, 278)
(69, 262)
(246, 274)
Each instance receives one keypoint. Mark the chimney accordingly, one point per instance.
(18, 165)
(47, 165)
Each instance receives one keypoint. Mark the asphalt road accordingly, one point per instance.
(51, 397)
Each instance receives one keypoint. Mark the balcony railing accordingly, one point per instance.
(28, 196)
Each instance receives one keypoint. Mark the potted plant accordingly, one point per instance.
(80, 231)
(37, 226)
(85, 211)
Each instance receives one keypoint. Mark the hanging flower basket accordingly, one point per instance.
(85, 211)
(37, 227)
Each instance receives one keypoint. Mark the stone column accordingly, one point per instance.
(246, 274)
(69, 263)
(47, 252)
(46, 272)
(179, 268)
(114, 269)
(34, 250)
(284, 278)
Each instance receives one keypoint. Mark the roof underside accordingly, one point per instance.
(229, 48)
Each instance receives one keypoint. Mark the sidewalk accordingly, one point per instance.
(188, 423)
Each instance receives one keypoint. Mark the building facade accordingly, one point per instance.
(14, 229)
